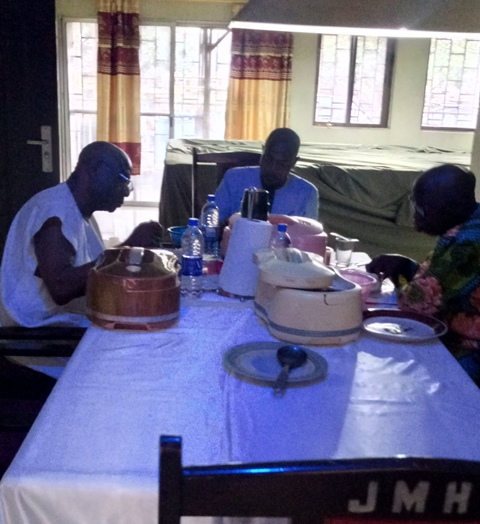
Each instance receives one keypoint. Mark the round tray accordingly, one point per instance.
(256, 363)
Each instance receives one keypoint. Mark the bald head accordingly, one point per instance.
(444, 197)
(103, 153)
(279, 157)
(287, 137)
(100, 179)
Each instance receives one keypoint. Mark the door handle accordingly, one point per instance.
(46, 143)
(37, 142)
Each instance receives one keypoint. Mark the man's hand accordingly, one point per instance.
(393, 267)
(146, 234)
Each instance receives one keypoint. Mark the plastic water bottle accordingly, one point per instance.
(280, 238)
(192, 263)
(210, 226)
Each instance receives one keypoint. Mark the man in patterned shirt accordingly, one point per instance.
(447, 284)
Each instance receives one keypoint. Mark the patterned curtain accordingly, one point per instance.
(118, 106)
(259, 90)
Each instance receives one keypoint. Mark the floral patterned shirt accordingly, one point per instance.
(447, 286)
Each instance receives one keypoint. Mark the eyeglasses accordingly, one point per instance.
(127, 181)
(418, 209)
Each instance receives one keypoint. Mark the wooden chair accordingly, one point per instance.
(224, 161)
(338, 491)
(53, 341)
(22, 390)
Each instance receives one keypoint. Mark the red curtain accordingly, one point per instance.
(260, 77)
(118, 106)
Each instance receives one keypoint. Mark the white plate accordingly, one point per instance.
(402, 326)
(257, 363)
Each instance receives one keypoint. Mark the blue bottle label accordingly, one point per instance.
(191, 266)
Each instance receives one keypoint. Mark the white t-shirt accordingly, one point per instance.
(25, 298)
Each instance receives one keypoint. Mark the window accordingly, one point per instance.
(354, 80)
(184, 82)
(453, 84)
(82, 85)
(202, 71)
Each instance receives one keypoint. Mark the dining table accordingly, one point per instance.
(93, 452)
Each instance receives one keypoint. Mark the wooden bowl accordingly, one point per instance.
(134, 289)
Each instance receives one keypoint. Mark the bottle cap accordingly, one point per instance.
(193, 221)
(211, 198)
(282, 228)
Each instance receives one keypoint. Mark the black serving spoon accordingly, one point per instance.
(289, 357)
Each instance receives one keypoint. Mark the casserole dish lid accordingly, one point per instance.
(293, 268)
(138, 264)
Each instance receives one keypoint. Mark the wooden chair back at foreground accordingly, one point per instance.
(224, 161)
(22, 390)
(45, 341)
(374, 490)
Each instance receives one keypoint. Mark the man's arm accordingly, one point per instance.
(312, 205)
(55, 259)
(398, 268)
(223, 198)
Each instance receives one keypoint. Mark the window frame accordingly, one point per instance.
(64, 108)
(387, 86)
(143, 204)
(443, 128)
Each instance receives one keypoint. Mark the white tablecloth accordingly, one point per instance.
(92, 455)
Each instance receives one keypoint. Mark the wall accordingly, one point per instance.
(406, 104)
(212, 11)
(407, 93)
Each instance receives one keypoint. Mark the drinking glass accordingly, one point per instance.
(343, 251)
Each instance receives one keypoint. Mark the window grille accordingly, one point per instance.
(354, 80)
(453, 84)
(183, 88)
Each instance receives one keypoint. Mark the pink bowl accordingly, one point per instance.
(367, 281)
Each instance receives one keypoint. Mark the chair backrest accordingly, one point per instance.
(22, 390)
(224, 161)
(45, 341)
(341, 490)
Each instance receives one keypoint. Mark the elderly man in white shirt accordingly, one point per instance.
(53, 242)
